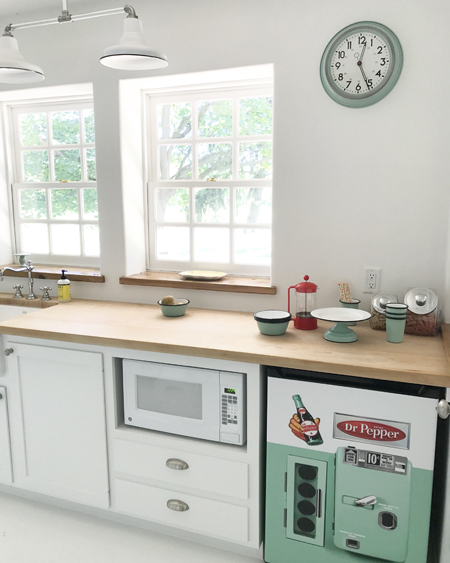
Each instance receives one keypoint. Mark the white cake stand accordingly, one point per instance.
(340, 332)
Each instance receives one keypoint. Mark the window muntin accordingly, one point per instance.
(210, 171)
(54, 190)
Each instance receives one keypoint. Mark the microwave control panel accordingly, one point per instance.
(233, 422)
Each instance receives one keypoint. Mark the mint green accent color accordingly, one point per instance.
(272, 329)
(340, 333)
(395, 329)
(173, 310)
(351, 305)
(354, 523)
(378, 93)
(294, 497)
(280, 549)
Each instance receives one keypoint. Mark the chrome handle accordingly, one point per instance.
(177, 464)
(1, 396)
(443, 409)
(8, 351)
(366, 501)
(177, 505)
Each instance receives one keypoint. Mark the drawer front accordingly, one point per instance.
(209, 474)
(203, 516)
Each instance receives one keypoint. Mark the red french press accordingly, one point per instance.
(305, 302)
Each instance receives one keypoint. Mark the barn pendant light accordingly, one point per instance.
(132, 53)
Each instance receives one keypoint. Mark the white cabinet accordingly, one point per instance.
(57, 420)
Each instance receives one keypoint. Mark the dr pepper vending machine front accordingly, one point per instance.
(349, 468)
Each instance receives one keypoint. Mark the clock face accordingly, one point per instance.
(361, 64)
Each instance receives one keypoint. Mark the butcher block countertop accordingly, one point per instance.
(234, 336)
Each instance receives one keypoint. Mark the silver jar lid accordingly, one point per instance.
(421, 300)
(380, 301)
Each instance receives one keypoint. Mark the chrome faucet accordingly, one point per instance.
(28, 268)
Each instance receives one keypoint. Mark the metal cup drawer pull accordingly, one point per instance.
(177, 505)
(8, 351)
(178, 464)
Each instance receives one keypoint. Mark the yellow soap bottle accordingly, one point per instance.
(64, 288)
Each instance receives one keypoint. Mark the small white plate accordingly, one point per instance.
(340, 314)
(203, 275)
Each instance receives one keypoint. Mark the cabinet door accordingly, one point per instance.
(5, 450)
(57, 417)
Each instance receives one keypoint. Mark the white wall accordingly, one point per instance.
(352, 188)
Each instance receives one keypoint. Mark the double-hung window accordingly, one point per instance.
(54, 191)
(210, 171)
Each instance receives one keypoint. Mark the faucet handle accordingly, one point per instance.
(18, 290)
(45, 293)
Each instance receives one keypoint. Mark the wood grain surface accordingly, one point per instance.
(234, 336)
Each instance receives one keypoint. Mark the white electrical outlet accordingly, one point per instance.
(372, 278)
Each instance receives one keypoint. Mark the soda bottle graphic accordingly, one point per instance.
(310, 428)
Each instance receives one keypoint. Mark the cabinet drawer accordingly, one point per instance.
(205, 473)
(204, 516)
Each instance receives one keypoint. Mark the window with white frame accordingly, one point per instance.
(54, 189)
(210, 188)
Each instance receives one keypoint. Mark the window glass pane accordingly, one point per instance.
(91, 165)
(255, 160)
(215, 118)
(35, 166)
(255, 116)
(33, 129)
(32, 204)
(90, 207)
(172, 243)
(214, 161)
(253, 205)
(211, 245)
(175, 162)
(252, 246)
(212, 205)
(65, 240)
(67, 165)
(172, 205)
(64, 204)
(91, 240)
(174, 121)
(65, 127)
(34, 238)
(89, 130)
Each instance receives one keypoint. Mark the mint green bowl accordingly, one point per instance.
(176, 310)
(272, 322)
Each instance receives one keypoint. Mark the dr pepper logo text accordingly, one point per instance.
(367, 430)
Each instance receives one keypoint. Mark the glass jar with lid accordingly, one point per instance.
(377, 320)
(422, 317)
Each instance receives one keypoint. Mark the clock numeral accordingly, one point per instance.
(358, 87)
(370, 83)
(337, 65)
(378, 73)
(349, 44)
(348, 84)
(341, 76)
(361, 40)
(341, 54)
(384, 62)
(379, 50)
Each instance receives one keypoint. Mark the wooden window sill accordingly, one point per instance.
(231, 284)
(92, 275)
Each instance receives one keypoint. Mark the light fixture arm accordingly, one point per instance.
(66, 16)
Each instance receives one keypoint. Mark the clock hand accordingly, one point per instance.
(362, 52)
(359, 63)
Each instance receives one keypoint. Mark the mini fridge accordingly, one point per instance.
(349, 474)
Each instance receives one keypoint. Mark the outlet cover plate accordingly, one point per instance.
(372, 279)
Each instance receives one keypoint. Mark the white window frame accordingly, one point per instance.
(236, 89)
(18, 183)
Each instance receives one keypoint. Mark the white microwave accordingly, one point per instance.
(189, 401)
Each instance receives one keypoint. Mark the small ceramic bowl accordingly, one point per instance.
(176, 310)
(272, 322)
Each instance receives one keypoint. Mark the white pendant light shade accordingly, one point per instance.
(132, 53)
(13, 67)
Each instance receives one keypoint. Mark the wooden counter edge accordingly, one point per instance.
(253, 358)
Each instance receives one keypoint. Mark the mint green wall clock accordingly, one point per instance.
(361, 64)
